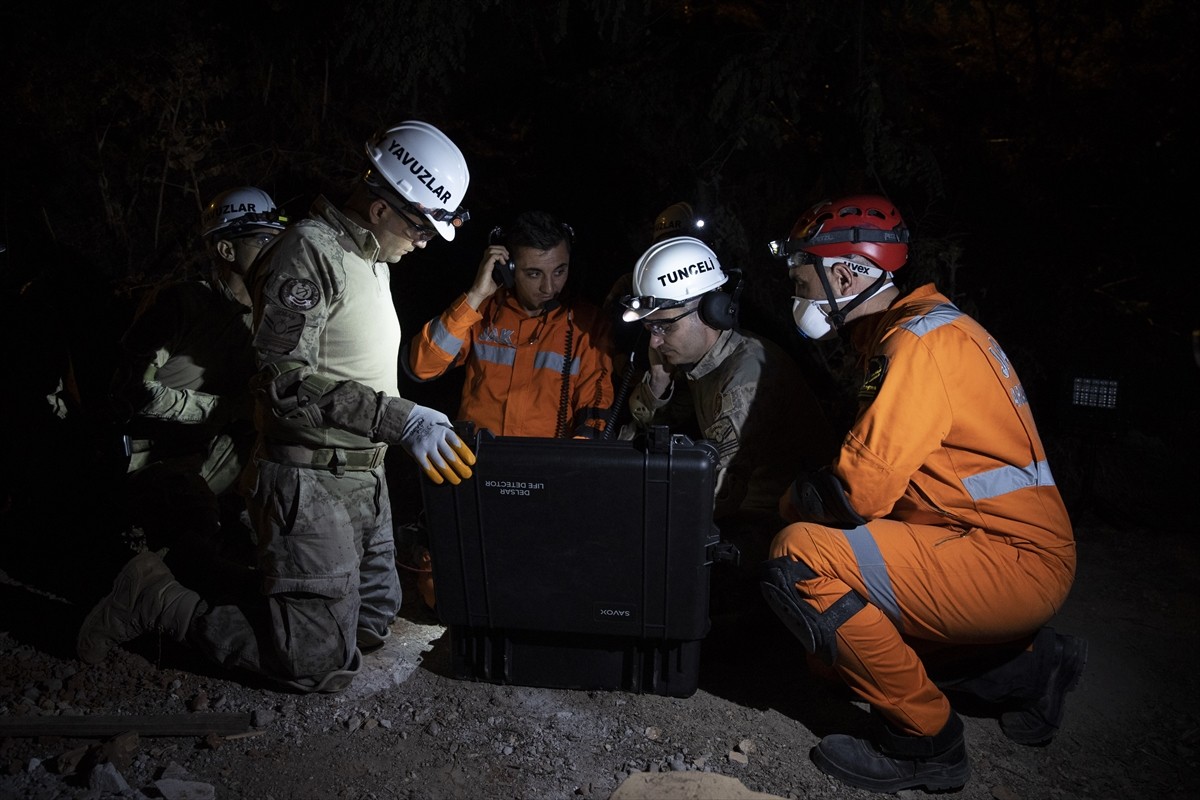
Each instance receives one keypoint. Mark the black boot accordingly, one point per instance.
(1036, 722)
(1030, 684)
(897, 762)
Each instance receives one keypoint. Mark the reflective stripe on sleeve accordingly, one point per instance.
(442, 337)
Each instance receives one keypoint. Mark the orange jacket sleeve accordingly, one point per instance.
(444, 342)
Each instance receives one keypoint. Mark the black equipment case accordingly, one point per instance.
(577, 564)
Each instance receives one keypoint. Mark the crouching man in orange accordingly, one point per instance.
(930, 555)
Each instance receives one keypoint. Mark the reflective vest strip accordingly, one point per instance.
(440, 335)
(936, 317)
(1002, 480)
(493, 354)
(874, 573)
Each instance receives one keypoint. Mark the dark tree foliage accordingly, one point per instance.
(1039, 150)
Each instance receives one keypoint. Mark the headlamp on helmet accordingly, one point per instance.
(240, 211)
(421, 165)
(669, 274)
(868, 226)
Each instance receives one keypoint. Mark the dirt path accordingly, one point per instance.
(408, 730)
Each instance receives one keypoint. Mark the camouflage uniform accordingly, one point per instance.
(327, 341)
(749, 399)
(184, 387)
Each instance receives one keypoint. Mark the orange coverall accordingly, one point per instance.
(967, 540)
(514, 362)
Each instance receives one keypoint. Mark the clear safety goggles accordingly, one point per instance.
(661, 327)
(258, 238)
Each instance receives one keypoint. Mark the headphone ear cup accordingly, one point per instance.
(502, 273)
(718, 311)
(505, 274)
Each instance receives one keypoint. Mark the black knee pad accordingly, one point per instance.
(816, 631)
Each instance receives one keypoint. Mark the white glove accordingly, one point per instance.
(433, 444)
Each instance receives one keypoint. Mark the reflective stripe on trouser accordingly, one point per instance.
(927, 586)
(327, 558)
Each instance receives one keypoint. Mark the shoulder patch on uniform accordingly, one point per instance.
(724, 435)
(299, 293)
(280, 330)
(876, 371)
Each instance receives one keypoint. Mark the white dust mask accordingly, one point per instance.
(812, 316)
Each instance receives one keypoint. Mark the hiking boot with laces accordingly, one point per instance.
(1037, 722)
(145, 595)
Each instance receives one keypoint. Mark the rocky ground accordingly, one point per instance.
(408, 729)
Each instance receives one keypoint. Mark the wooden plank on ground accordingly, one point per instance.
(86, 726)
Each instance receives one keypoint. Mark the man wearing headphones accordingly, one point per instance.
(747, 395)
(538, 361)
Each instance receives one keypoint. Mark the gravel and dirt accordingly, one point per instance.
(408, 729)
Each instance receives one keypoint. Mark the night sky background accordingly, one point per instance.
(1043, 154)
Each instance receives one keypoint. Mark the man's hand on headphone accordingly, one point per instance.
(429, 438)
(485, 284)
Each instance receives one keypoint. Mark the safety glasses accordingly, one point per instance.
(257, 239)
(661, 327)
(801, 258)
(418, 232)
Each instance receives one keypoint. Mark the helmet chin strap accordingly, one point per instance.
(837, 316)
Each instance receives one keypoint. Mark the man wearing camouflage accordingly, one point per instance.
(183, 388)
(746, 394)
(327, 341)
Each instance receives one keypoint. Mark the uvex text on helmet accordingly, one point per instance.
(238, 211)
(420, 163)
(669, 274)
(865, 225)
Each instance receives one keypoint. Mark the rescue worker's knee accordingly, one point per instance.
(816, 631)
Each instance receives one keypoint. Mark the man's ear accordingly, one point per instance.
(375, 211)
(842, 278)
(225, 250)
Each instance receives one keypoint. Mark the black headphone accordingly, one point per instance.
(505, 272)
(719, 309)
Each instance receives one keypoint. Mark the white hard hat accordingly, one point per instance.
(238, 211)
(669, 274)
(677, 219)
(420, 164)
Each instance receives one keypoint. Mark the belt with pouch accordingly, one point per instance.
(335, 459)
